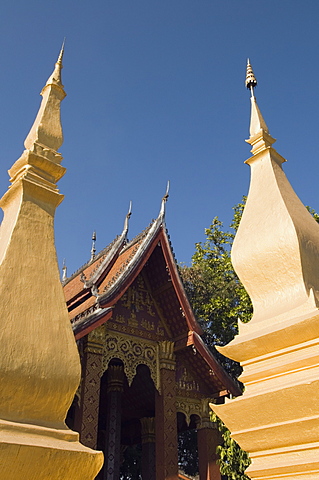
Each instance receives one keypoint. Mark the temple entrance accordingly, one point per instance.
(143, 361)
(126, 429)
(126, 432)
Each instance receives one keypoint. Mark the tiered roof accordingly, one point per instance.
(93, 291)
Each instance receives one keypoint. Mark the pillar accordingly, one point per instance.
(208, 439)
(165, 416)
(113, 423)
(148, 448)
(87, 423)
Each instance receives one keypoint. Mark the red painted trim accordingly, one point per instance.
(133, 275)
(212, 362)
(179, 288)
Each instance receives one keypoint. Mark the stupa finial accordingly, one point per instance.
(251, 81)
(56, 78)
(61, 53)
(258, 127)
(46, 131)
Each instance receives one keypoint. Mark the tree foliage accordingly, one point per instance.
(219, 299)
(233, 460)
(217, 296)
(188, 452)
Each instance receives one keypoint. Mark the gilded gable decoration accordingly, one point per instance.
(132, 352)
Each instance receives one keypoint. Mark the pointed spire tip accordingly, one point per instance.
(251, 81)
(60, 57)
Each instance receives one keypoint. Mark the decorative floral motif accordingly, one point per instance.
(132, 352)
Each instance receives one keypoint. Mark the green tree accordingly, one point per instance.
(219, 299)
(217, 296)
(233, 460)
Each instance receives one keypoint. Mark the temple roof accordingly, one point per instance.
(94, 290)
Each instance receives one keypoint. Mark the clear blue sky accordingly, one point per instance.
(155, 93)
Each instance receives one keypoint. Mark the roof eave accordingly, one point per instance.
(90, 321)
(225, 379)
(178, 285)
(129, 274)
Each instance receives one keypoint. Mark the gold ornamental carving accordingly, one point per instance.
(194, 406)
(166, 355)
(132, 352)
(148, 429)
(187, 381)
(96, 340)
(188, 407)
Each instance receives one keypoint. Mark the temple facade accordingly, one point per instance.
(146, 373)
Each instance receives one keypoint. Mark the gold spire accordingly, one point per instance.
(276, 256)
(279, 218)
(56, 74)
(47, 130)
(258, 130)
(37, 392)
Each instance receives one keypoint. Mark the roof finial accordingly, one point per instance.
(93, 249)
(128, 215)
(251, 81)
(64, 271)
(164, 200)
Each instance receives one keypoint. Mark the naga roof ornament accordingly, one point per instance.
(111, 256)
(164, 200)
(64, 271)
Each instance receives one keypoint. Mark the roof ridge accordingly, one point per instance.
(138, 237)
(91, 261)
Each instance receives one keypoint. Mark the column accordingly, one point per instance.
(208, 439)
(112, 454)
(165, 416)
(87, 420)
(148, 448)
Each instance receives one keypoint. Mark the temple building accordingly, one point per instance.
(146, 373)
